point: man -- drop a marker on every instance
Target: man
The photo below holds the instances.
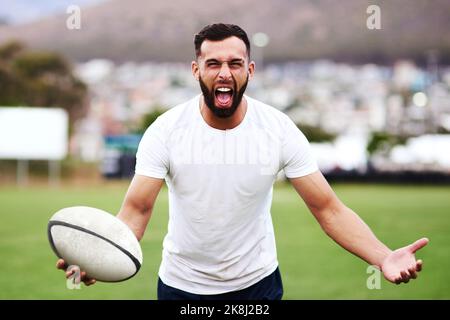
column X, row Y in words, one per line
column 220, row 154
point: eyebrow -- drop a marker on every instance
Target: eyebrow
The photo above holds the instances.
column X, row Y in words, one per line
column 232, row 60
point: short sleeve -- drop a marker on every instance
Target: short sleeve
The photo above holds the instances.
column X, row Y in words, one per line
column 297, row 159
column 152, row 157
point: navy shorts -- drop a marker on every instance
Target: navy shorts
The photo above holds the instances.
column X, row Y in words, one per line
column 269, row 288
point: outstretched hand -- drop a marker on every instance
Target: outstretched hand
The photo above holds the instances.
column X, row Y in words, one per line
column 401, row 265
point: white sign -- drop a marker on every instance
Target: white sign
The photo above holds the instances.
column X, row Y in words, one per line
column 33, row 133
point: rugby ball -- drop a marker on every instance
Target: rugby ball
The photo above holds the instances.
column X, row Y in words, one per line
column 96, row 241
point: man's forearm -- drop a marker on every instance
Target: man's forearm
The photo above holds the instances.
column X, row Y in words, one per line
column 346, row 228
column 138, row 204
column 135, row 218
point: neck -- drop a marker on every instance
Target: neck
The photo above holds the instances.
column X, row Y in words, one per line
column 223, row 123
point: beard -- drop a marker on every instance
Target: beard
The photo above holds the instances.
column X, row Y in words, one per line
column 209, row 96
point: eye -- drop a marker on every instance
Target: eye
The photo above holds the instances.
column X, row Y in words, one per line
column 212, row 64
column 236, row 64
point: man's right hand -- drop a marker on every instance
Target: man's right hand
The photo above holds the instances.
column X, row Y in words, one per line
column 61, row 264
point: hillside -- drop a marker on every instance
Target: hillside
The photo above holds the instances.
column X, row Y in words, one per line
column 142, row 30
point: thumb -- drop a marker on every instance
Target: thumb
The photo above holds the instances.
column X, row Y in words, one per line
column 419, row 244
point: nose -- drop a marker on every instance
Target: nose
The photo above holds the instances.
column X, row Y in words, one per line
column 224, row 73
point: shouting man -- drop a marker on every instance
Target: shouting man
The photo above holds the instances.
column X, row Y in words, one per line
column 219, row 154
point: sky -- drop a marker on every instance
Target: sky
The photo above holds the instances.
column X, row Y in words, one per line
column 24, row 11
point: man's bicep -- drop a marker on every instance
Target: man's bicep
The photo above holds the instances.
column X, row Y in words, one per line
column 315, row 191
column 152, row 156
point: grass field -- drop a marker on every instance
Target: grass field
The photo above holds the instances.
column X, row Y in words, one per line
column 312, row 265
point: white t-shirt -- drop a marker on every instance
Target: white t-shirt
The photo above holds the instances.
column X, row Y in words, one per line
column 220, row 235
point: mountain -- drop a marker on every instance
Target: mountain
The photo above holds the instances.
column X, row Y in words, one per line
column 142, row 30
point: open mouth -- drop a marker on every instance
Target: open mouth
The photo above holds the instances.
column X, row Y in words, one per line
column 224, row 96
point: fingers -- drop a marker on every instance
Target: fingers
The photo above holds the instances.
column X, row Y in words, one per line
column 419, row 265
column 405, row 276
column 412, row 272
column 87, row 280
column 70, row 271
column 61, row 264
column 402, row 278
column 419, row 244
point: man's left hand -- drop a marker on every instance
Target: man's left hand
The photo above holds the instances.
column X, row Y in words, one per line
column 401, row 265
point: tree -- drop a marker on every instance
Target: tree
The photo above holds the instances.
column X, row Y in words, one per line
column 39, row 78
column 10, row 49
column 149, row 118
column 315, row 134
column 383, row 140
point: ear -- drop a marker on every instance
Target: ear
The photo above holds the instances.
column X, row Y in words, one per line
column 195, row 70
column 251, row 69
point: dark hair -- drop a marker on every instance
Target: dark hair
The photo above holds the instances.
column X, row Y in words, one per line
column 218, row 32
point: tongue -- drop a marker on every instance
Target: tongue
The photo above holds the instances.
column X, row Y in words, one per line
column 224, row 98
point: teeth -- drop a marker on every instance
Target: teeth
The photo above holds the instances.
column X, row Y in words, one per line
column 224, row 89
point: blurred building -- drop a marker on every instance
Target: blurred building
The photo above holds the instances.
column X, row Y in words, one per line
column 346, row 100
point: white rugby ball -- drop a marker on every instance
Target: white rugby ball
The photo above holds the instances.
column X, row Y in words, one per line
column 96, row 241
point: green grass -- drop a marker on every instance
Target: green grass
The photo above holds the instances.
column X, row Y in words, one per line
column 312, row 265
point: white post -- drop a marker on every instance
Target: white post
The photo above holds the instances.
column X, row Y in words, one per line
column 54, row 172
column 22, row 172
